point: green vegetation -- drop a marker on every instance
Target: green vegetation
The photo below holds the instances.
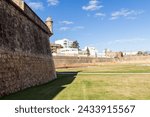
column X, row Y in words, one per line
column 75, row 44
column 112, row 68
column 114, row 87
column 94, row 86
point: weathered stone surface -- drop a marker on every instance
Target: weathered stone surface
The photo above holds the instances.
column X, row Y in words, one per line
column 72, row 61
column 25, row 55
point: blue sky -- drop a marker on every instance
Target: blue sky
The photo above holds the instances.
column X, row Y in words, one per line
column 120, row 25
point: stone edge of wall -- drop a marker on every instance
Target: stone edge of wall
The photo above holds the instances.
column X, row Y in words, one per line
column 30, row 14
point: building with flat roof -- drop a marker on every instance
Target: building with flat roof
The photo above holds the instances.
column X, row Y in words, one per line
column 93, row 52
column 55, row 47
column 65, row 43
column 68, row 51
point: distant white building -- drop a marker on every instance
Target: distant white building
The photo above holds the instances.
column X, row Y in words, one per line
column 68, row 51
column 92, row 51
column 102, row 54
column 130, row 53
column 65, row 43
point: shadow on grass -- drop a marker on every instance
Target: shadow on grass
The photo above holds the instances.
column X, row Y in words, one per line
column 46, row 91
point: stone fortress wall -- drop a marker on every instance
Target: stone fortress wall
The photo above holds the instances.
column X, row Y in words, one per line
column 25, row 55
column 136, row 59
column 70, row 61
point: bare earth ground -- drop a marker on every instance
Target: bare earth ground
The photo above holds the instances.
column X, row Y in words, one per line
column 102, row 82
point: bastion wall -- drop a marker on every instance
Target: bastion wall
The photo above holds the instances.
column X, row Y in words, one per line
column 25, row 55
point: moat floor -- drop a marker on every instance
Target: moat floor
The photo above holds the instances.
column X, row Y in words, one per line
column 103, row 82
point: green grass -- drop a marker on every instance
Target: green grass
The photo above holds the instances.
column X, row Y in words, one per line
column 112, row 68
column 94, row 86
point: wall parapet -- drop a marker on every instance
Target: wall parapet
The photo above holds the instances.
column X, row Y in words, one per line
column 31, row 15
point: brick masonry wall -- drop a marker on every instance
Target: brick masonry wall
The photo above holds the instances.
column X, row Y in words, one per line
column 25, row 55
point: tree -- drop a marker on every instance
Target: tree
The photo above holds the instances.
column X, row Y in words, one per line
column 75, row 44
column 88, row 51
column 140, row 53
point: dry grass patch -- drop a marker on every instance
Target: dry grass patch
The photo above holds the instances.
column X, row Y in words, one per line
column 112, row 68
column 111, row 87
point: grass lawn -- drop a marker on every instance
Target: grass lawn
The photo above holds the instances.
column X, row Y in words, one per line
column 112, row 68
column 89, row 87
column 78, row 86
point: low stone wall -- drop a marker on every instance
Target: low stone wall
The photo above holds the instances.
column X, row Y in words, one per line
column 70, row 61
column 136, row 59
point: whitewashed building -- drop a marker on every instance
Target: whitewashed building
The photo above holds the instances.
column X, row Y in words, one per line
column 68, row 51
column 93, row 52
column 131, row 53
column 66, row 43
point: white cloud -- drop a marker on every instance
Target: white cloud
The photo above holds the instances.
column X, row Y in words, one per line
column 92, row 6
column 131, row 18
column 100, row 14
column 113, row 18
column 52, row 2
column 88, row 15
column 128, row 14
column 36, row 5
column 132, row 40
column 67, row 22
column 64, row 28
column 75, row 28
column 78, row 27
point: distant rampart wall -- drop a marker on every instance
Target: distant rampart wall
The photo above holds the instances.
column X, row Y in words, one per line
column 68, row 61
column 136, row 59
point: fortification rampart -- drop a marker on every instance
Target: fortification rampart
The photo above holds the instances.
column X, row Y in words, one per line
column 136, row 59
column 68, row 61
column 25, row 55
